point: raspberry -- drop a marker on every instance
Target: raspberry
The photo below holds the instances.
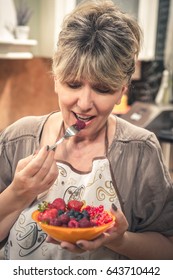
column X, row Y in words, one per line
column 73, row 223
column 80, row 125
column 84, row 222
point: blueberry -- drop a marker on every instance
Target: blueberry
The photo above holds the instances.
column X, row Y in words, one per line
column 60, row 212
column 85, row 213
column 76, row 213
column 71, row 213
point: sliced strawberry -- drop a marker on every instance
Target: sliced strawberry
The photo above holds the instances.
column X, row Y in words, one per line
column 58, row 203
column 48, row 214
column 75, row 204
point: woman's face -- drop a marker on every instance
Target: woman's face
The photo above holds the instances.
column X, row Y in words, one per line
column 89, row 103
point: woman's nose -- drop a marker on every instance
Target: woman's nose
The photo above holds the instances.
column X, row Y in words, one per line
column 85, row 99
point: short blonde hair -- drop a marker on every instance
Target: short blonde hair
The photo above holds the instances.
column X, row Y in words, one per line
column 98, row 43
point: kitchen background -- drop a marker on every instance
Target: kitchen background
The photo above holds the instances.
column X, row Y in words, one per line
column 26, row 83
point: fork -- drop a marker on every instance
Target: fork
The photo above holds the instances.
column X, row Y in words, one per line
column 70, row 131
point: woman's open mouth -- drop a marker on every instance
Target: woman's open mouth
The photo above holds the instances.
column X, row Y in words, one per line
column 83, row 118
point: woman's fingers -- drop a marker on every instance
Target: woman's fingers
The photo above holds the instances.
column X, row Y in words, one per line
column 121, row 224
column 37, row 162
column 113, row 234
column 48, row 168
column 23, row 163
column 36, row 173
column 41, row 167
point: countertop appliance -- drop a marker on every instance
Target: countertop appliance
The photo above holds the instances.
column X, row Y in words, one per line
column 156, row 118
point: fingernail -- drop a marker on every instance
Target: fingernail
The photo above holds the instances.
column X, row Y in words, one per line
column 79, row 245
column 114, row 207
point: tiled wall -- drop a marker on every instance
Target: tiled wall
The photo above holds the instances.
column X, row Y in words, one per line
column 26, row 88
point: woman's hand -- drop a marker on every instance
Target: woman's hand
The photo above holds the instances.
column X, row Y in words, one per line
column 34, row 175
column 113, row 235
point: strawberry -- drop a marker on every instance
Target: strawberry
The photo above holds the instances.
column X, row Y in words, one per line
column 59, row 204
column 75, row 204
column 48, row 214
column 40, row 216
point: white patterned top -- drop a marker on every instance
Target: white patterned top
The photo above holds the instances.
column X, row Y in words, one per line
column 26, row 239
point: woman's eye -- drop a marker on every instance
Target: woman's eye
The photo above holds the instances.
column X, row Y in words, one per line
column 103, row 90
column 74, row 85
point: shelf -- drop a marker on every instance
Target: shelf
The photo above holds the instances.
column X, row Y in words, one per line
column 17, row 49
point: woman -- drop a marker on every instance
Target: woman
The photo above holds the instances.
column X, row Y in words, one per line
column 109, row 162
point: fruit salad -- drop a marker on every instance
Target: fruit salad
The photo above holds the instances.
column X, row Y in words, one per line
column 74, row 214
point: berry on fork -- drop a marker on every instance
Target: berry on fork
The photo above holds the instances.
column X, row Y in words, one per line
column 80, row 125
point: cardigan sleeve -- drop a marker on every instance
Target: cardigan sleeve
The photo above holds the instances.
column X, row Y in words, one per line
column 5, row 167
column 142, row 180
column 153, row 192
column 18, row 141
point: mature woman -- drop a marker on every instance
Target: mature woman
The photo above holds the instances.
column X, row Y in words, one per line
column 109, row 162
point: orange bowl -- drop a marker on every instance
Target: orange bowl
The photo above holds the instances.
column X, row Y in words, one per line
column 72, row 234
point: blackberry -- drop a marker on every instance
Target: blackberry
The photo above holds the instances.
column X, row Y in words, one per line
column 55, row 222
column 64, row 219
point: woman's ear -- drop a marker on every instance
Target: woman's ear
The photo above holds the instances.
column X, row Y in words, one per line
column 122, row 92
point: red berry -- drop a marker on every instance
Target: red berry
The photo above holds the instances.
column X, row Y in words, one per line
column 84, row 222
column 40, row 216
column 80, row 125
column 48, row 214
column 59, row 204
column 64, row 218
column 73, row 223
column 75, row 204
column 55, row 222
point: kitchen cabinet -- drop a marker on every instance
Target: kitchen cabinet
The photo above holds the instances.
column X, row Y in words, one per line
column 146, row 12
column 52, row 13
column 10, row 47
column 16, row 49
column 47, row 18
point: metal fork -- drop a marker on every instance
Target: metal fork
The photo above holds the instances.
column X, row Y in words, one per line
column 70, row 131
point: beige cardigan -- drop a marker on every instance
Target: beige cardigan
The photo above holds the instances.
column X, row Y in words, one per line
column 142, row 181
